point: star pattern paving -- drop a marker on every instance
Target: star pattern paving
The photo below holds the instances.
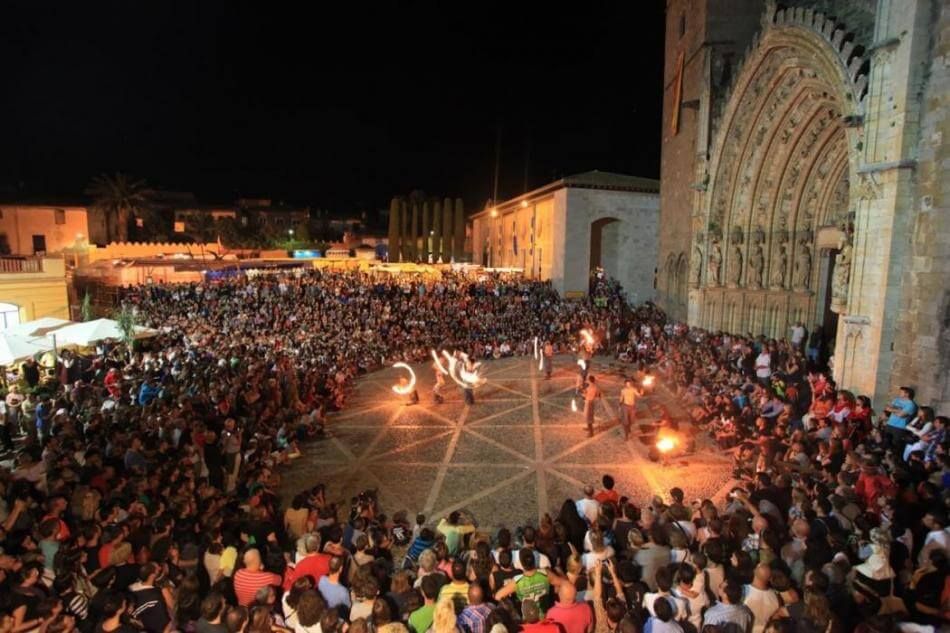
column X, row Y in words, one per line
column 519, row 452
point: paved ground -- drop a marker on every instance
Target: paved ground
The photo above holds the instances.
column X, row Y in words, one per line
column 517, row 453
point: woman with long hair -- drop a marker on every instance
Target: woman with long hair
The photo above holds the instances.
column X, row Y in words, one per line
column 188, row 603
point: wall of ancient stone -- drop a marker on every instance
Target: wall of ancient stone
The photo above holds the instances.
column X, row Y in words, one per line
column 709, row 38
column 922, row 345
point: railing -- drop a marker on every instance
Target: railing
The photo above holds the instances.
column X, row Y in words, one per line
column 20, row 265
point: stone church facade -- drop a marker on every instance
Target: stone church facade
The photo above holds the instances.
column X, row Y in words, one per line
column 807, row 179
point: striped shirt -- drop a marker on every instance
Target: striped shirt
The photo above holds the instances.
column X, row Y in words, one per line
column 248, row 582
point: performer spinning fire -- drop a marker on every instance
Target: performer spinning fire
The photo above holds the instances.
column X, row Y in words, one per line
column 547, row 359
column 438, row 385
column 628, row 405
column 591, row 393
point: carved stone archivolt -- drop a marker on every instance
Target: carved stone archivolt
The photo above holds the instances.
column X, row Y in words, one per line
column 778, row 162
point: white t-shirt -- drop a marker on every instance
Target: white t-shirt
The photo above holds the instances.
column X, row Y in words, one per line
column 935, row 539
column 762, row 604
column 680, row 606
column 798, row 333
column 763, row 364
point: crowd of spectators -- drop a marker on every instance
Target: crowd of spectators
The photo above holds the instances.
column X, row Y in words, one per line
column 143, row 493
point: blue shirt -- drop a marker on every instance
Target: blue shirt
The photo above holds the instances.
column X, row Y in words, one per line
column 908, row 407
column 731, row 618
column 334, row 593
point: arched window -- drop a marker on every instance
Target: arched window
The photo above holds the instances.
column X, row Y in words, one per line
column 9, row 315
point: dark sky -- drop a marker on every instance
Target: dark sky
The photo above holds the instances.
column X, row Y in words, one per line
column 334, row 110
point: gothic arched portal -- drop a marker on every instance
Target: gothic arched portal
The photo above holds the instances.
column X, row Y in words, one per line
column 783, row 155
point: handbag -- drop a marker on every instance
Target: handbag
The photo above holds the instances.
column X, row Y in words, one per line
column 890, row 604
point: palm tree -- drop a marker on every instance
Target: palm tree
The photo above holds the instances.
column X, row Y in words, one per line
column 119, row 198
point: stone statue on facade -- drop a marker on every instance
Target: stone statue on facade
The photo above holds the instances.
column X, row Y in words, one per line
column 841, row 277
column 695, row 268
column 715, row 264
column 756, row 265
column 803, row 266
column 779, row 266
column 735, row 266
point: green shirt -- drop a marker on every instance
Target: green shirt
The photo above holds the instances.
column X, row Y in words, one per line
column 536, row 587
column 421, row 619
column 453, row 534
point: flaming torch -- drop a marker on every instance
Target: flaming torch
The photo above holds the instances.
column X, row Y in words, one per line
column 648, row 383
column 405, row 390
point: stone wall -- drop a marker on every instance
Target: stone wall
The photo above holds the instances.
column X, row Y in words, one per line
column 628, row 245
column 709, row 37
column 922, row 344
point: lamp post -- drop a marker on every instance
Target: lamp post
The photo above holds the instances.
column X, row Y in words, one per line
column 290, row 238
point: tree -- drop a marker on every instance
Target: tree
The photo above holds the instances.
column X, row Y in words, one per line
column 426, row 214
column 85, row 308
column 127, row 320
column 436, row 230
column 404, row 231
column 459, row 249
column 119, row 198
column 201, row 227
column 394, row 225
column 448, row 251
column 414, row 231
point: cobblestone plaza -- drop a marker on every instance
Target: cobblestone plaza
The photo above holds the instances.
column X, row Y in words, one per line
column 519, row 452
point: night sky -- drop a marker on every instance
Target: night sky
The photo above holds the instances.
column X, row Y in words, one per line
column 337, row 111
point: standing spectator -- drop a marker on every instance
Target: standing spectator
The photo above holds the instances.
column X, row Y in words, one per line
column 252, row 577
column 574, row 616
column 760, row 598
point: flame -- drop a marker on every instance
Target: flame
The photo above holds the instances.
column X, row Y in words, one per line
column 574, row 405
column 582, row 363
column 588, row 336
column 438, row 363
column 666, row 444
column 648, row 381
column 404, row 390
column 536, row 347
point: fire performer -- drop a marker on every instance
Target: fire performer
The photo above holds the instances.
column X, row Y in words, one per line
column 468, row 390
column 591, row 394
column 628, row 405
column 409, row 390
column 438, row 385
column 547, row 359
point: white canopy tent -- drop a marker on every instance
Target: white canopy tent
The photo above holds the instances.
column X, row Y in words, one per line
column 38, row 327
column 14, row 348
column 91, row 332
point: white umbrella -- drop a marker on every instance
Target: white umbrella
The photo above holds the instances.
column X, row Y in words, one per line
column 14, row 348
column 91, row 332
column 37, row 327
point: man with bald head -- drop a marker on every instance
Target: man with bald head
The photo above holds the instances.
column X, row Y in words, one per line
column 761, row 598
column 574, row 616
column 252, row 577
column 473, row 617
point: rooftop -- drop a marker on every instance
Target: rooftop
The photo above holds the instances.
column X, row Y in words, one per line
column 587, row 180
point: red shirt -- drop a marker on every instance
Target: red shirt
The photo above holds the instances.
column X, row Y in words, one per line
column 608, row 496
column 575, row 618
column 544, row 627
column 247, row 583
column 315, row 565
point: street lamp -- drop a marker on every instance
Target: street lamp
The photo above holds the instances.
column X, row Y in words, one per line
column 494, row 212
